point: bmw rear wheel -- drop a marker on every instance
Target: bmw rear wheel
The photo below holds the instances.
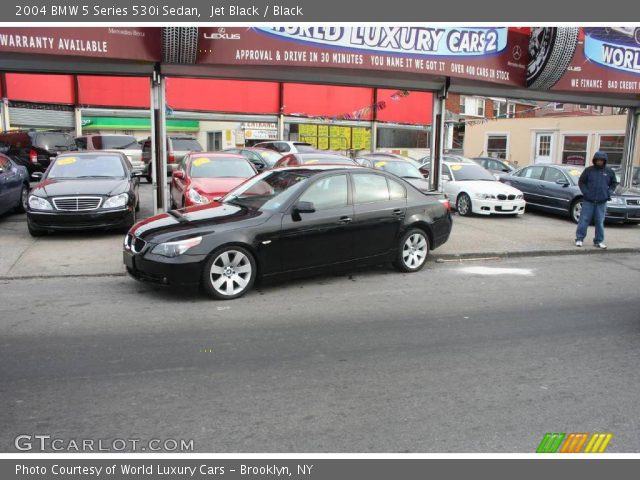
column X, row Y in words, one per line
column 413, row 251
column 229, row 273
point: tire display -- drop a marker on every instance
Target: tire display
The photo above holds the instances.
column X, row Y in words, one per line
column 551, row 50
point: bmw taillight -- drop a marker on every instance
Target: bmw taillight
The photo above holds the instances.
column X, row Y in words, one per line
column 171, row 158
column 33, row 156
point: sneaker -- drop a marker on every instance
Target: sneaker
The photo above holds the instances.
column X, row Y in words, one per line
column 600, row 245
column 578, row 243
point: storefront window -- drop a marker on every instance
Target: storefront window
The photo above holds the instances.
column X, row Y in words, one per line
column 402, row 138
column 497, row 146
column 613, row 145
column 574, row 150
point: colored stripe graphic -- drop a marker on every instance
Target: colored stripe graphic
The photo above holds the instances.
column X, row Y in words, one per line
column 598, row 443
column 574, row 442
column 550, row 442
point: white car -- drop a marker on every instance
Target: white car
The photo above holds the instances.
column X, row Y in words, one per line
column 287, row 147
column 473, row 189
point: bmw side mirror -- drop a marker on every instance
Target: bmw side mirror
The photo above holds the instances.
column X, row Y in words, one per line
column 178, row 174
column 562, row 182
column 136, row 173
column 446, row 178
column 37, row 176
column 304, row 207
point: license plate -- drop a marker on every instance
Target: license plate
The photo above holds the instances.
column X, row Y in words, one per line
column 507, row 207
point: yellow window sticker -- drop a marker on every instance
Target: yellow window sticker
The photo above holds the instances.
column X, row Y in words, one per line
column 201, row 161
column 67, row 161
column 380, row 164
column 574, row 172
column 312, row 161
column 455, row 168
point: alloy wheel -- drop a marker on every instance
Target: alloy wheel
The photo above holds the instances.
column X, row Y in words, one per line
column 230, row 273
column 414, row 251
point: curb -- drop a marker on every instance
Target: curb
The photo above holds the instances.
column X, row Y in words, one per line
column 445, row 258
column 451, row 257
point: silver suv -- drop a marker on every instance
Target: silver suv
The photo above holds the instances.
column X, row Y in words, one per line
column 127, row 144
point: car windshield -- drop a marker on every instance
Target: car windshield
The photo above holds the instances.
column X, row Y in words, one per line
column 186, row 144
column 116, row 142
column 331, row 159
column 55, row 141
column 574, row 174
column 267, row 191
column 205, row 167
column 87, row 166
column 270, row 157
column 400, row 169
column 470, row 171
column 304, row 147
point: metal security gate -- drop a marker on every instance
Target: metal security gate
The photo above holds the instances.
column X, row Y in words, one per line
column 22, row 117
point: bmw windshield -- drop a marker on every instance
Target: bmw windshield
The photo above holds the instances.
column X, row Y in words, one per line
column 269, row 190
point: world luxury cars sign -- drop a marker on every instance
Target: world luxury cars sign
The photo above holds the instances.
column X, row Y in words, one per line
column 483, row 53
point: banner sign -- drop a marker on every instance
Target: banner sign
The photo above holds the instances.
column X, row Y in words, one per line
column 605, row 60
column 496, row 55
column 123, row 43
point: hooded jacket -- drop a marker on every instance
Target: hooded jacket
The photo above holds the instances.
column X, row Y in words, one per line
column 598, row 184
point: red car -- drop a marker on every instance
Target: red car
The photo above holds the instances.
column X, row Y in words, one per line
column 203, row 177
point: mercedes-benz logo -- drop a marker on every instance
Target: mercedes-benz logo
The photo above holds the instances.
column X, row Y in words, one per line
column 517, row 52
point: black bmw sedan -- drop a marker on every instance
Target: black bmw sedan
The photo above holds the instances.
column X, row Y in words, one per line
column 290, row 220
column 84, row 190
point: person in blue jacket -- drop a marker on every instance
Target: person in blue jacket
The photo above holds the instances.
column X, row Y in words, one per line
column 597, row 183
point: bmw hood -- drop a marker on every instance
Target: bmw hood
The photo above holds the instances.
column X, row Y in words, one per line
column 99, row 186
column 207, row 218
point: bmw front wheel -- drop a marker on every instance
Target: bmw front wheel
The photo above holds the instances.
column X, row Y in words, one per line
column 229, row 273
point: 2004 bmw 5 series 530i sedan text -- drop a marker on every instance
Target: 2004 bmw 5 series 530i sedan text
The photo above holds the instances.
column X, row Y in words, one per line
column 290, row 220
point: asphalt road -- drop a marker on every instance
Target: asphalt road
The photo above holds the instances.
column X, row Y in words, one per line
column 461, row 357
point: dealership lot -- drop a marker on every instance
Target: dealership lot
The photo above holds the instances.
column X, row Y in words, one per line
column 100, row 253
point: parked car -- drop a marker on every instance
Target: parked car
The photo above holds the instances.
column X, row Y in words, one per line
column 472, row 189
column 294, row 159
column 262, row 158
column 84, row 190
column 401, row 168
column 127, row 144
column 289, row 221
column 203, row 177
column 366, row 159
column 554, row 188
column 177, row 147
column 35, row 149
column 287, row 147
column 495, row 165
column 14, row 186
column 425, row 162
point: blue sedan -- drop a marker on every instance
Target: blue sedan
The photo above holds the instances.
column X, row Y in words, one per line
column 14, row 185
column 554, row 188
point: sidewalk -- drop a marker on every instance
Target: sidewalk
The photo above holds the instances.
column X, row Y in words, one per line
column 99, row 254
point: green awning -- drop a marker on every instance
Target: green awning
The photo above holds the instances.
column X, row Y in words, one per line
column 125, row 123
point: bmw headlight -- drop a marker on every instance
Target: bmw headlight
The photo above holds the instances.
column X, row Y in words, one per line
column 117, row 201
column 173, row 249
column 485, row 196
column 37, row 203
column 196, row 197
column 519, row 197
column 616, row 201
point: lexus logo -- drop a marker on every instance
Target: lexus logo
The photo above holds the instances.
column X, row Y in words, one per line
column 222, row 34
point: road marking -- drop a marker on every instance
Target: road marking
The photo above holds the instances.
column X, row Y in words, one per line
column 525, row 272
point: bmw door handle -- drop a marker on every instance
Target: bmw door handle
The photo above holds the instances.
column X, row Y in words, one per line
column 398, row 212
column 345, row 220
